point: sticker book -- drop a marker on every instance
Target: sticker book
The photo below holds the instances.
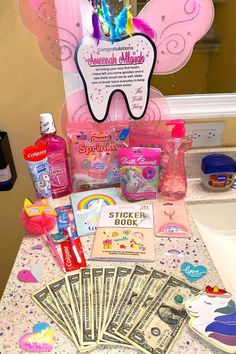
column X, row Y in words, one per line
column 125, row 232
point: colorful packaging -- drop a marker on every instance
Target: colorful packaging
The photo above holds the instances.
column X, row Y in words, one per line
column 57, row 156
column 69, row 259
column 155, row 134
column 139, row 169
column 93, row 149
column 125, row 233
column 65, row 219
column 171, row 219
column 87, row 206
column 37, row 162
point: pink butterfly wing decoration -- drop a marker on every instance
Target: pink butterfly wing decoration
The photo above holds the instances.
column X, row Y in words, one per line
column 178, row 24
column 58, row 27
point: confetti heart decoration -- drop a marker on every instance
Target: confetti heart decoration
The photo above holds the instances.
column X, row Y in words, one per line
column 193, row 273
column 174, row 252
column 40, row 341
column 31, row 276
column 37, row 271
column 37, row 247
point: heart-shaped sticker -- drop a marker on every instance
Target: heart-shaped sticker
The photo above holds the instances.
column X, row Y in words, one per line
column 41, row 340
column 193, row 273
column 31, row 276
column 37, row 247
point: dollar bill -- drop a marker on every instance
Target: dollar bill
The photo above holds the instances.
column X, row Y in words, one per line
column 107, row 284
column 121, row 278
column 144, row 298
column 158, row 327
column 44, row 300
column 96, row 282
column 73, row 288
column 86, row 313
column 58, row 291
column 136, row 281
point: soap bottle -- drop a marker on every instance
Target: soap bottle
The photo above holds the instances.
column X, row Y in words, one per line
column 57, row 157
column 7, row 166
column 174, row 180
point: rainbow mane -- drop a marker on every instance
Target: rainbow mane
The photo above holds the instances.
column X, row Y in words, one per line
column 213, row 316
column 224, row 327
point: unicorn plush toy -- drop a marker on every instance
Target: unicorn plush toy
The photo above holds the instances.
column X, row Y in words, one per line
column 213, row 317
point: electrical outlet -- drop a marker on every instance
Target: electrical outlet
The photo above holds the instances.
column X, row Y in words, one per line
column 206, row 134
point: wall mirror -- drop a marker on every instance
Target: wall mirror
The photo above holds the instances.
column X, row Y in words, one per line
column 212, row 67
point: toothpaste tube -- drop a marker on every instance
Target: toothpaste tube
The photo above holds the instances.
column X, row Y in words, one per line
column 37, row 163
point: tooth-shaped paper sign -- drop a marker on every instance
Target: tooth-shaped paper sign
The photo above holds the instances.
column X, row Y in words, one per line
column 125, row 66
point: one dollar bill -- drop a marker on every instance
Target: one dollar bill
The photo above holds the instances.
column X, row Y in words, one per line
column 73, row 288
column 107, row 285
column 44, row 299
column 144, row 298
column 133, row 287
column 96, row 280
column 59, row 294
column 158, row 327
column 121, row 278
column 86, row 310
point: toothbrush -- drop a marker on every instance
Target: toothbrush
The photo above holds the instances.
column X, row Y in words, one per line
column 74, row 249
column 54, row 251
column 69, row 217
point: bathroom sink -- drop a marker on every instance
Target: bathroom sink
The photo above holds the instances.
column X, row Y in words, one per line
column 216, row 223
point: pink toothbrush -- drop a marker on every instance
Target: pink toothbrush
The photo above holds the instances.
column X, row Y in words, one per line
column 54, row 251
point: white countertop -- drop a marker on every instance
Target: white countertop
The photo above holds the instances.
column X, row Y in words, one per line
column 196, row 193
column 19, row 313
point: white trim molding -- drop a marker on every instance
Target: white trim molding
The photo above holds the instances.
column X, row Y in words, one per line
column 202, row 106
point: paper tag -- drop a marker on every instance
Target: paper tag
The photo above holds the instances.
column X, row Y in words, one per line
column 125, row 66
column 69, row 257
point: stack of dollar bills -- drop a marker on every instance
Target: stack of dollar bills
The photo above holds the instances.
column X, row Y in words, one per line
column 135, row 307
